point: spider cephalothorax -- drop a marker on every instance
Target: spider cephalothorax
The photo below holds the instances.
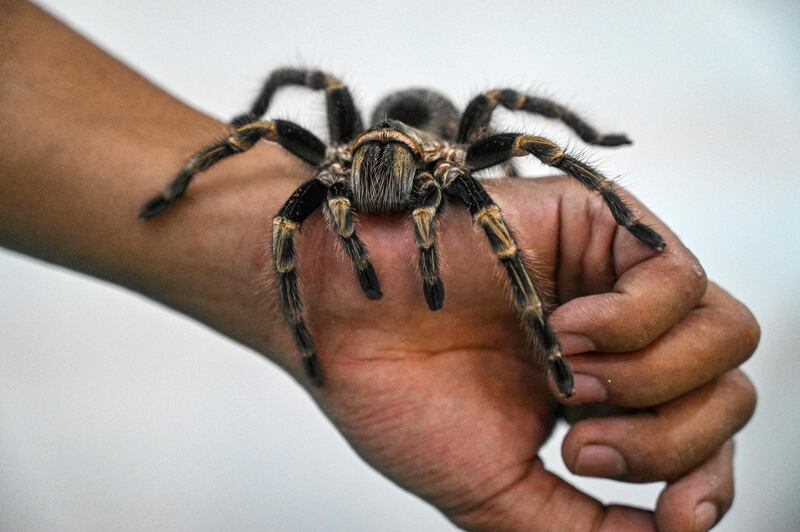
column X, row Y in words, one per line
column 417, row 156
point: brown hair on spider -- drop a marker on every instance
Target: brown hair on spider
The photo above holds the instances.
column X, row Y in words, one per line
column 419, row 155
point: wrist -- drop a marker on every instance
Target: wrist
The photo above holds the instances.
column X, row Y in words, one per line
column 99, row 141
column 214, row 249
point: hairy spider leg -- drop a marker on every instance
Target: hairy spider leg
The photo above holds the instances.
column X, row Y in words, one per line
column 344, row 119
column 338, row 212
column 498, row 148
column 479, row 111
column 428, row 198
column 487, row 215
column 305, row 200
column 294, row 138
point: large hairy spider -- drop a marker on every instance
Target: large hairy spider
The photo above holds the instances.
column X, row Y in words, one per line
column 417, row 155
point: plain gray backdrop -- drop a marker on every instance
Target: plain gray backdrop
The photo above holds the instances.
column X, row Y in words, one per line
column 118, row 414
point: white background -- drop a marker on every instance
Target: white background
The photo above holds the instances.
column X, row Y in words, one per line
column 117, row 414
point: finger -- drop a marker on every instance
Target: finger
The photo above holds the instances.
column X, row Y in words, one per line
column 541, row 501
column 665, row 442
column 652, row 291
column 699, row 499
column 715, row 337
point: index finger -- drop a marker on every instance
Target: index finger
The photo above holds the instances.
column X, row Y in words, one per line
column 652, row 292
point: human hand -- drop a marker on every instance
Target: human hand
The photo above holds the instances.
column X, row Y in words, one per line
column 444, row 404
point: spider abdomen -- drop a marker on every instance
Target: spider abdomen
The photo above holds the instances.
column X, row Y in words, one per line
column 383, row 177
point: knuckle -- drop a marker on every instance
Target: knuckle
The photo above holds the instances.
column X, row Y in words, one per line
column 748, row 393
column 751, row 330
column 744, row 392
column 740, row 332
column 736, row 326
column 693, row 276
column 740, row 319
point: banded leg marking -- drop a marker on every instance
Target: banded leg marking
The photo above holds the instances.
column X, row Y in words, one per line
column 498, row 148
column 487, row 215
column 426, row 206
column 478, row 114
column 303, row 202
column 344, row 119
column 294, row 138
column 339, row 214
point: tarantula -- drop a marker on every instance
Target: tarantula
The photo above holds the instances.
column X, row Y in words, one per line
column 417, row 155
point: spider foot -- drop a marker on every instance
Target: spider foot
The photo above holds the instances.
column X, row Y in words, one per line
column 434, row 294
column 648, row 236
column 313, row 369
column 155, row 206
column 613, row 140
column 562, row 375
column 369, row 281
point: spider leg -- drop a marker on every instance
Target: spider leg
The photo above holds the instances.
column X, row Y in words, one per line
column 294, row 138
column 498, row 148
column 339, row 213
column 478, row 113
column 344, row 119
column 305, row 200
column 487, row 215
column 426, row 204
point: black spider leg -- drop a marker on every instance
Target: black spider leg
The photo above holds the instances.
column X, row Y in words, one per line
column 344, row 119
column 426, row 202
column 338, row 212
column 294, row 138
column 305, row 200
column 498, row 148
column 478, row 114
column 526, row 297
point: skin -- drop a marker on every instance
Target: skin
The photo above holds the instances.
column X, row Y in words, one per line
column 444, row 404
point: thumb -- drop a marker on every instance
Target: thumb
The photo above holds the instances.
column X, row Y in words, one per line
column 543, row 501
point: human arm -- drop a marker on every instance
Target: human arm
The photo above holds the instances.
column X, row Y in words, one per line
column 85, row 140
column 206, row 256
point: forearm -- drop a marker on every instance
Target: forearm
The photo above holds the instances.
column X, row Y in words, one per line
column 85, row 141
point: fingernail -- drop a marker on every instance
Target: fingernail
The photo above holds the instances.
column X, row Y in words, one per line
column 600, row 461
column 705, row 515
column 588, row 389
column 572, row 344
